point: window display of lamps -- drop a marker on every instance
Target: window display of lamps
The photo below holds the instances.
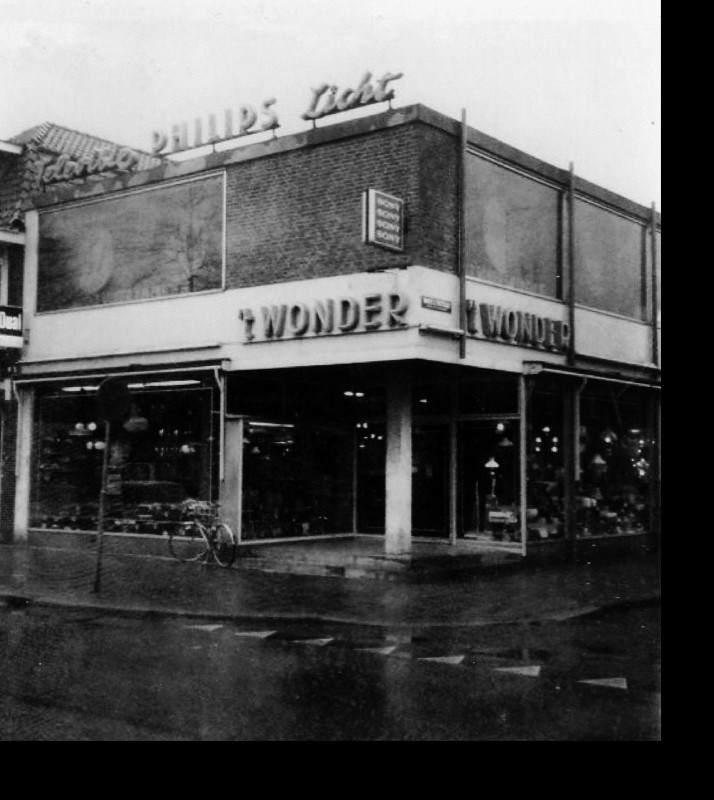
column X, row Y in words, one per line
column 492, row 465
column 598, row 464
column 136, row 422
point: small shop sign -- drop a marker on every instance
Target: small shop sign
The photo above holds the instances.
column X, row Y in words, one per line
column 10, row 326
column 383, row 220
column 99, row 163
column 435, row 304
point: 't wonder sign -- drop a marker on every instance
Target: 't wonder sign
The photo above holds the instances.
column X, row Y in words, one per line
column 516, row 327
column 324, row 317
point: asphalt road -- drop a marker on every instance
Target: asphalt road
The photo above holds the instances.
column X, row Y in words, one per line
column 86, row 675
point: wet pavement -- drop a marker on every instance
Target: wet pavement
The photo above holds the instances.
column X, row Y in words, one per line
column 90, row 675
column 170, row 651
column 141, row 584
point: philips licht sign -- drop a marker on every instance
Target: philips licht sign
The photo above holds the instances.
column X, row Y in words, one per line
column 10, row 326
column 383, row 220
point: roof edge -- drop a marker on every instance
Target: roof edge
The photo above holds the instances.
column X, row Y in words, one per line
column 333, row 132
column 10, row 147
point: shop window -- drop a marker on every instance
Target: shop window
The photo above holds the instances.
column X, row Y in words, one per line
column 297, row 480
column 615, row 462
column 431, row 399
column 489, row 393
column 308, row 435
column 512, row 228
column 545, row 465
column 161, row 457
column 153, row 243
column 371, row 476
column 490, row 475
column 608, row 261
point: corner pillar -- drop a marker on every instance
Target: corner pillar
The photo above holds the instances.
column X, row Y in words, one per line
column 231, row 495
column 23, row 463
column 398, row 528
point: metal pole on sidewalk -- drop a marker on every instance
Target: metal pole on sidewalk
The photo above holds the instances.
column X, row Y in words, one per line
column 102, row 499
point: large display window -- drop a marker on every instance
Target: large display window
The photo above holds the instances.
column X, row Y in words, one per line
column 490, row 480
column 616, row 447
column 545, row 460
column 513, row 228
column 160, row 458
column 610, row 269
column 297, row 480
column 155, row 242
column 313, row 452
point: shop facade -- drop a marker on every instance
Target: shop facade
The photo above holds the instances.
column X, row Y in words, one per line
column 392, row 327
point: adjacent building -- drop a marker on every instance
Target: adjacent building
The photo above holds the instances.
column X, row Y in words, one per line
column 22, row 164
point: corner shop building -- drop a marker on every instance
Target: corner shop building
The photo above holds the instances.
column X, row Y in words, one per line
column 489, row 375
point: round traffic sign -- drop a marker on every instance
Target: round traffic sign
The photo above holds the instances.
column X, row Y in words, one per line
column 114, row 400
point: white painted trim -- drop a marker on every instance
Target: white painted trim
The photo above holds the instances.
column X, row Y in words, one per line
column 12, row 238
column 4, row 274
column 10, row 147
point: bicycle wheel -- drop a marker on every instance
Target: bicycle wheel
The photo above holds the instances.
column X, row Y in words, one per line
column 224, row 545
column 188, row 542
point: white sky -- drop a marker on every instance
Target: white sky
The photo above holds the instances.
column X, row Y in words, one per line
column 564, row 80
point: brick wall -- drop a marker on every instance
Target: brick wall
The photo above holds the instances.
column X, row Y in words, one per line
column 439, row 197
column 297, row 215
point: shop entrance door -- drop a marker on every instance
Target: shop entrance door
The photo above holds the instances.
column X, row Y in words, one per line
column 430, row 480
column 490, row 480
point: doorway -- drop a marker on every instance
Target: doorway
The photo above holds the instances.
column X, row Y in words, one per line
column 430, row 480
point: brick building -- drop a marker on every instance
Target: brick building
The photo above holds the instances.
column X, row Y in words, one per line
column 394, row 326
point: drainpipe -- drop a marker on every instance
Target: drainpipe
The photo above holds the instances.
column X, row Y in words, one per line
column 571, row 264
column 655, row 332
column 221, row 424
column 462, row 235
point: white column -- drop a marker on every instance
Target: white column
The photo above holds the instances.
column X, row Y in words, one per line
column 23, row 476
column 232, row 485
column 398, row 533
column 453, row 463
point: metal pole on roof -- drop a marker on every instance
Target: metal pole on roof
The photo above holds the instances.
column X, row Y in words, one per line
column 655, row 298
column 571, row 263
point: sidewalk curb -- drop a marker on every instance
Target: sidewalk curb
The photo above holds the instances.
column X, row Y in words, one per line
column 18, row 600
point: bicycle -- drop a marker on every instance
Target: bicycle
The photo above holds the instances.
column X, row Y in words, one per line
column 201, row 535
